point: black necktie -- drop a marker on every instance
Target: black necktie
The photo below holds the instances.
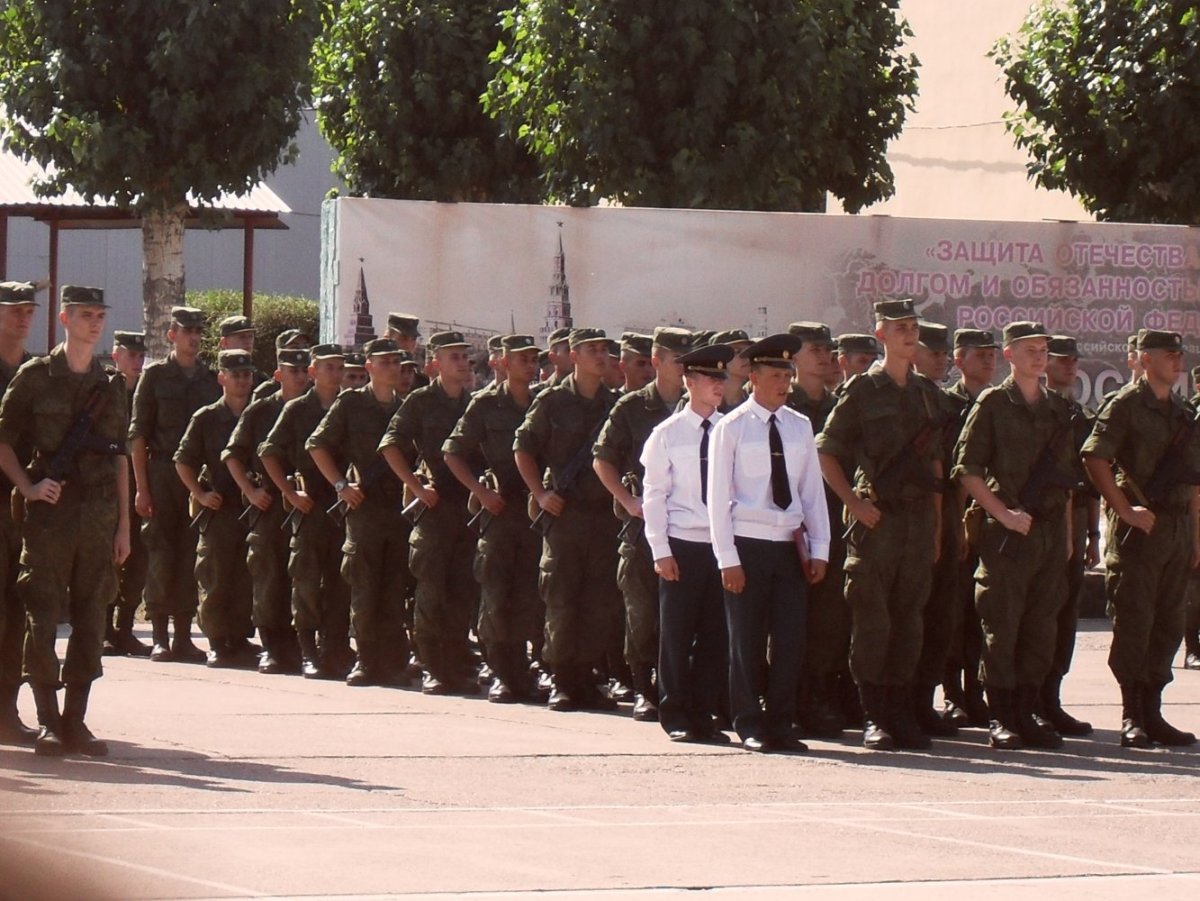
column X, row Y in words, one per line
column 781, row 492
column 705, row 425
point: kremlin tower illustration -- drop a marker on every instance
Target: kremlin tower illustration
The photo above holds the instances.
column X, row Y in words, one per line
column 362, row 327
column 558, row 307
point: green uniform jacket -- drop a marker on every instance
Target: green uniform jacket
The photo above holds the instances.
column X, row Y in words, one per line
column 487, row 427
column 297, row 420
column 630, row 423
column 352, row 428
column 203, row 444
column 165, row 400
column 421, row 426
column 251, row 430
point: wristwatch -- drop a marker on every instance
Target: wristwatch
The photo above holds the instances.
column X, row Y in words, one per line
column 339, row 485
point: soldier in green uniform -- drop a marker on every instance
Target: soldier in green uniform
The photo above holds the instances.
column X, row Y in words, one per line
column 495, row 362
column 1023, row 487
column 129, row 355
column 442, row 545
column 1062, row 368
column 738, row 368
column 375, row 554
column 354, row 369
column 886, row 421
column 405, row 330
column 17, row 306
column 320, row 597
column 506, row 562
column 288, row 339
column 634, row 361
column 856, row 353
column 167, row 395
column 1152, row 541
column 226, row 599
column 618, row 465
column 558, row 350
column 579, row 551
column 76, row 528
column 267, row 543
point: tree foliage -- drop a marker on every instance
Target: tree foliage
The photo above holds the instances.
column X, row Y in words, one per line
column 273, row 313
column 744, row 104
column 397, row 86
column 1106, row 96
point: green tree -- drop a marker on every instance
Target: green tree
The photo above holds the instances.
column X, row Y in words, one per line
column 151, row 103
column 1106, row 96
column 396, row 86
column 743, row 104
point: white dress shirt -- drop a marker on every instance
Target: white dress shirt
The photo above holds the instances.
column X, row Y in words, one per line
column 671, row 503
column 739, row 482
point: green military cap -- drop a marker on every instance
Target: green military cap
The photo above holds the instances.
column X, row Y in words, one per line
column 711, row 359
column 558, row 336
column 355, row 359
column 702, row 336
column 614, row 349
column 515, row 343
column 585, row 336
column 327, row 352
column 643, row 345
column 811, row 332
column 934, row 336
column 679, row 340
column 1022, row 330
column 235, row 360
column 79, row 295
column 15, row 293
column 404, row 323
column 293, row 356
column 1062, row 346
column 232, row 325
column 852, row 343
column 288, row 338
column 973, row 337
column 775, row 350
column 495, row 343
column 135, row 341
column 894, row 309
column 407, row 359
column 729, row 336
column 1196, row 374
column 1155, row 339
column 378, row 347
column 543, row 357
column 1132, row 343
column 442, row 340
column 187, row 317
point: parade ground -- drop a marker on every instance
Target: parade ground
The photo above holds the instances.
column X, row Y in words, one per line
column 226, row 783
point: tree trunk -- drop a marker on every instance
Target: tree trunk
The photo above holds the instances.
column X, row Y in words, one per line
column 162, row 272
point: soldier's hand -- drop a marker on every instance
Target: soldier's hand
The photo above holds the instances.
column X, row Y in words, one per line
column 733, row 579
column 667, row 568
column 143, row 504
column 1092, row 555
column 352, row 495
column 491, row 501
column 1017, row 521
column 1140, row 518
column 865, row 511
column 211, row 500
column 814, row 571
column 46, row 490
column 633, row 507
column 301, row 502
column 121, row 546
column 260, row 498
column 427, row 495
column 551, row 502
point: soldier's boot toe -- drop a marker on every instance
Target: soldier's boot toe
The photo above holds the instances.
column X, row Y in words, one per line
column 1157, row 728
column 310, row 656
column 485, row 676
column 644, row 709
column 76, row 737
column 161, row 636
column 12, row 730
column 1002, row 732
column 124, row 640
column 562, row 694
column 500, row 693
column 49, row 743
column 876, row 736
column 182, row 648
column 929, row 720
column 902, row 722
column 1192, row 660
column 360, row 676
column 49, row 738
column 1034, row 731
column 645, row 694
column 1053, row 713
column 1133, row 735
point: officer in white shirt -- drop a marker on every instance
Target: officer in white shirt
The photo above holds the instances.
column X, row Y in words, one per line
column 770, row 532
column 693, row 652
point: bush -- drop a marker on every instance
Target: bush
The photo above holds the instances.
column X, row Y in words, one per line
column 273, row 313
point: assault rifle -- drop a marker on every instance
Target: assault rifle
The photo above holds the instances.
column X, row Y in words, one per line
column 543, row 521
column 1171, row 469
column 1044, row 475
column 376, row 471
column 224, row 485
column 81, row 438
column 631, row 526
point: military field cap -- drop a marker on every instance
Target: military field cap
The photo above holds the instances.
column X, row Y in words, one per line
column 515, row 343
column 377, row 347
column 729, row 336
column 232, row 325
column 288, row 338
column 679, row 340
column 712, row 359
column 404, row 323
column 811, row 332
column 558, row 336
column 355, row 359
column 135, row 341
column 1154, row 339
column 442, row 340
column 235, row 360
column 857, row 344
column 633, row 342
column 543, row 357
column 776, row 350
column 584, row 336
column 1062, row 346
column 14, row 293
column 894, row 309
column 495, row 343
column 702, row 336
column 407, row 359
column 327, row 352
column 187, row 317
column 79, row 295
column 973, row 337
column 1132, row 343
column 1020, row 331
column 614, row 349
column 293, row 356
column 934, row 336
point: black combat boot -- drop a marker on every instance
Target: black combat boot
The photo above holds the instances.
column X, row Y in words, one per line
column 978, row 710
column 1191, row 649
column 1034, row 732
column 504, row 673
column 954, row 703
column 1002, row 732
column 563, row 690
column 902, row 722
column 12, row 730
column 823, row 717
column 271, row 662
column 1158, row 729
column 1133, row 724
column 49, row 742
column 310, row 660
column 1053, row 712
column 365, row 664
column 876, row 736
column 590, row 694
column 928, row 719
column 621, row 680
column 182, row 648
column 645, row 694
column 161, row 633
column 124, row 640
column 109, row 648
column 77, row 738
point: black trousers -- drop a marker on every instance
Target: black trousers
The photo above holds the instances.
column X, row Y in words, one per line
column 692, row 659
column 771, row 612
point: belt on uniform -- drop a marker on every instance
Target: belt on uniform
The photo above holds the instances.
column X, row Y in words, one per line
column 904, row 504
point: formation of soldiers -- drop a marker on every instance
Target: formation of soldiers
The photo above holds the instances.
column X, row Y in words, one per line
column 787, row 537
